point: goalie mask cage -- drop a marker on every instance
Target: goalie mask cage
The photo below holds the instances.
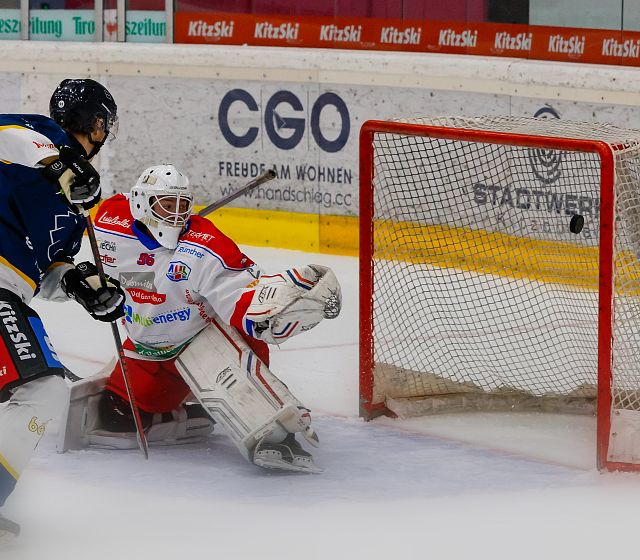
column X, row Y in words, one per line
column 475, row 294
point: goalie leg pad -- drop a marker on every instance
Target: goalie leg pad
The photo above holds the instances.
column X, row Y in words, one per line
column 240, row 392
column 83, row 425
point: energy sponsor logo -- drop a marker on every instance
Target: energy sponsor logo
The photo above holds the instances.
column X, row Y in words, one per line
column 285, row 120
column 179, row 315
column 573, row 45
column 143, row 296
column 630, row 48
column 345, row 34
column 451, row 38
column 141, row 280
column 178, row 271
column 504, row 41
column 222, row 29
column 287, row 31
column 394, row 36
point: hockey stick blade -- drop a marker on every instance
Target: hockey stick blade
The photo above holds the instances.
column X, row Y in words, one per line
column 268, row 175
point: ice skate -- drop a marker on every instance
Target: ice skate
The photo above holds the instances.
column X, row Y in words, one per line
column 287, row 455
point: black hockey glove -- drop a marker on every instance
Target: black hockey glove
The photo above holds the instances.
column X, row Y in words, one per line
column 83, row 284
column 78, row 180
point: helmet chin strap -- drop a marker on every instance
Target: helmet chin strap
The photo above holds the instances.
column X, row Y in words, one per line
column 96, row 146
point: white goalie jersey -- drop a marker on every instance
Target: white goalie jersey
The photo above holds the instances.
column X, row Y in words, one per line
column 172, row 294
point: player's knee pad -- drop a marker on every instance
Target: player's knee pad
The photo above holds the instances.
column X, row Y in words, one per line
column 239, row 391
column 26, row 353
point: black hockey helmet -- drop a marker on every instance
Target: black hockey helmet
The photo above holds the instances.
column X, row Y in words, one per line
column 76, row 104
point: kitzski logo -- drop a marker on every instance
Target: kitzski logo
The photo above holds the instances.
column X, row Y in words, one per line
column 571, row 45
column 504, row 41
column 346, row 34
column 395, row 36
column 629, row 48
column 217, row 30
column 449, row 38
column 20, row 341
column 266, row 30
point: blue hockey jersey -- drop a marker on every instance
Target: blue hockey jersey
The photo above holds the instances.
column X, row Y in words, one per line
column 37, row 227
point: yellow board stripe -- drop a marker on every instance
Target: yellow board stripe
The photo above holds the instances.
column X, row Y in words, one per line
column 8, row 467
column 461, row 248
column 18, row 272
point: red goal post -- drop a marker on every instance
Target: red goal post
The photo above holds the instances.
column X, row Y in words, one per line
column 475, row 294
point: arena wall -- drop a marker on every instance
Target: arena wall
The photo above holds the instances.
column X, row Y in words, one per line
column 223, row 113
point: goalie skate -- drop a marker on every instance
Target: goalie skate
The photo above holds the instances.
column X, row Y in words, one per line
column 288, row 455
column 9, row 530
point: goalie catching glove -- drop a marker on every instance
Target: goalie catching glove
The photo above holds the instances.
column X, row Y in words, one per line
column 292, row 302
column 83, row 284
column 78, row 180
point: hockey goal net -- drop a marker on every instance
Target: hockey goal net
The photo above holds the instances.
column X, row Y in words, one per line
column 475, row 293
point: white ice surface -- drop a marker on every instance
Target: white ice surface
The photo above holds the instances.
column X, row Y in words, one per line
column 474, row 486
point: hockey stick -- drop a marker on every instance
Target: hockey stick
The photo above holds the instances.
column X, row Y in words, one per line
column 140, row 435
column 268, row 175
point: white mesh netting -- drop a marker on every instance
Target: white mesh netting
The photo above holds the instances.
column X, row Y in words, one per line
column 480, row 289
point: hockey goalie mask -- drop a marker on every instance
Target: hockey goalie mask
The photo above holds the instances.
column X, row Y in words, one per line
column 162, row 201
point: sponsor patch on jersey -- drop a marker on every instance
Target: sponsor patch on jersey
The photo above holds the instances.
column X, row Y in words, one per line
column 178, row 271
column 107, row 245
column 143, row 296
column 190, row 251
column 108, row 260
column 178, row 315
column 115, row 221
column 141, row 280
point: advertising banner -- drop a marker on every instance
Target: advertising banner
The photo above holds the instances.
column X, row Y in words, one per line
column 62, row 25
column 10, row 24
column 224, row 132
column 476, row 38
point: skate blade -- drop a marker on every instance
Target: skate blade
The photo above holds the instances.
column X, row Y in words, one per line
column 278, row 464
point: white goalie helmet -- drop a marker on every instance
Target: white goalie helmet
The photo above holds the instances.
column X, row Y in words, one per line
column 162, row 200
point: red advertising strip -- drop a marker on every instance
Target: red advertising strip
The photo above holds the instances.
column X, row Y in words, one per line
column 479, row 38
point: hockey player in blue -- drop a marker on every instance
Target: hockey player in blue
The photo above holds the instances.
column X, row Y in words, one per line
column 45, row 175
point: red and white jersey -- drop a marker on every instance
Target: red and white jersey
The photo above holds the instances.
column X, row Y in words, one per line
column 173, row 293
